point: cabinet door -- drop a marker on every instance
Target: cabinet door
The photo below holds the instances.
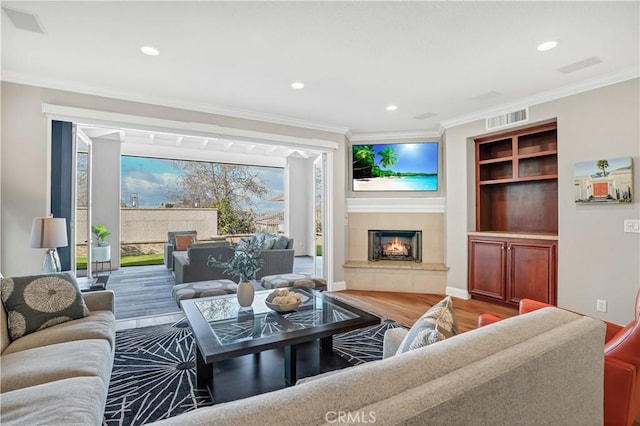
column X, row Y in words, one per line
column 487, row 268
column 531, row 271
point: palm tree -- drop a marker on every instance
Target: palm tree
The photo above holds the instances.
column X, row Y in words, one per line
column 364, row 157
column 602, row 165
column 388, row 157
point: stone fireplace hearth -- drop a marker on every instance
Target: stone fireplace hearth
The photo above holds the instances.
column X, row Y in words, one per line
column 427, row 275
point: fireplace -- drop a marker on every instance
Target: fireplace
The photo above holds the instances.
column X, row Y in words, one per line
column 395, row 245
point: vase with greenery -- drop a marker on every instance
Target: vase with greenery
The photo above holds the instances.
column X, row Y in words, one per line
column 244, row 264
column 101, row 252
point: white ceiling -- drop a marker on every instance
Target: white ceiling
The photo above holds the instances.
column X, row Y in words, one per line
column 355, row 58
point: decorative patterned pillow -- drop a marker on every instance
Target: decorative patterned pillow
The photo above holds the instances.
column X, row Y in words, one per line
column 437, row 324
column 36, row 302
column 183, row 241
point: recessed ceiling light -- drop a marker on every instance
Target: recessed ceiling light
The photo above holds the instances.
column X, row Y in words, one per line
column 547, row 45
column 297, row 85
column 392, row 107
column 148, row 50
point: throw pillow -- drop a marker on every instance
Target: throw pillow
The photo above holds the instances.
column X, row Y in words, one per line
column 267, row 243
column 437, row 324
column 36, row 302
column 171, row 235
column 280, row 243
column 183, row 241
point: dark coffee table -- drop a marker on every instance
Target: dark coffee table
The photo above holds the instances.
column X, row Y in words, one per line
column 224, row 331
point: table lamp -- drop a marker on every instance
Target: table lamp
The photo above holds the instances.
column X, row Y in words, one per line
column 49, row 232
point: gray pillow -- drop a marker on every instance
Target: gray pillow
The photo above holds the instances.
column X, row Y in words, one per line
column 281, row 242
column 267, row 243
column 36, row 302
column 437, row 324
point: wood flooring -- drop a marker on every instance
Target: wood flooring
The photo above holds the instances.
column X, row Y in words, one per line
column 406, row 308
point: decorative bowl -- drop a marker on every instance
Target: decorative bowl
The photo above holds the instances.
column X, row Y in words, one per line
column 280, row 307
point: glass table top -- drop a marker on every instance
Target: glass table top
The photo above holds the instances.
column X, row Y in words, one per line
column 232, row 324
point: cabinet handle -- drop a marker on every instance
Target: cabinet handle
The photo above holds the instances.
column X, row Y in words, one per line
column 502, row 248
column 509, row 248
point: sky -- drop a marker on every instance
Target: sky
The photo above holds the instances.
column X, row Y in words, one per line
column 412, row 157
column 588, row 168
column 149, row 179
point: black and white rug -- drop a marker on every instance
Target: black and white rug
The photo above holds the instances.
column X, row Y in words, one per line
column 153, row 375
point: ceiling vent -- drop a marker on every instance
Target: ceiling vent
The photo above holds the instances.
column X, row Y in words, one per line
column 577, row 66
column 23, row 21
column 508, row 119
column 425, row 115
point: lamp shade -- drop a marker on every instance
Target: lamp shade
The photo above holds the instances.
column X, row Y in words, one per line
column 48, row 232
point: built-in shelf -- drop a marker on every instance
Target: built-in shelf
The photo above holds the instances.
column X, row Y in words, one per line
column 390, row 264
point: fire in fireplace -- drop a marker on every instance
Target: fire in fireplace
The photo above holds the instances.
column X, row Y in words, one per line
column 395, row 245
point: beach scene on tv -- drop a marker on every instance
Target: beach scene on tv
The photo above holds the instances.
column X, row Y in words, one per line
column 395, row 167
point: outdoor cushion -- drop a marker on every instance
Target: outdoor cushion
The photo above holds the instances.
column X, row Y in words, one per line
column 171, row 235
column 183, row 241
column 36, row 302
column 280, row 242
column 438, row 323
column 97, row 325
column 42, row 365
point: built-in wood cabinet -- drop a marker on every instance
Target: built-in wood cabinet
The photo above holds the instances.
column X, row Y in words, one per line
column 509, row 269
column 516, row 193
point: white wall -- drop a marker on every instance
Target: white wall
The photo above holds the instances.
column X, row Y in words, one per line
column 105, row 195
column 596, row 260
column 24, row 161
column 300, row 196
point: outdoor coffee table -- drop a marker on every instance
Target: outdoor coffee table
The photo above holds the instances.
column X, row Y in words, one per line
column 223, row 330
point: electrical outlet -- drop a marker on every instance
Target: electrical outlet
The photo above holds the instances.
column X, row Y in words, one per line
column 601, row 305
column 631, row 225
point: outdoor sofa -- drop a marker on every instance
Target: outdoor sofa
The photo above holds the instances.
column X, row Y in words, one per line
column 191, row 265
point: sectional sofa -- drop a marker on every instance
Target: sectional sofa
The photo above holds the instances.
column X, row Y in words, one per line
column 59, row 375
column 542, row 368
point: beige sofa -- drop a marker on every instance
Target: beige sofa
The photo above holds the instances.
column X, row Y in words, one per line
column 59, row 375
column 543, row 368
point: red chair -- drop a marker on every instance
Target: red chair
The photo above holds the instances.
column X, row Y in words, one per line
column 621, row 365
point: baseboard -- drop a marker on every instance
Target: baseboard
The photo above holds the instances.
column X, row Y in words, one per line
column 457, row 292
column 338, row 286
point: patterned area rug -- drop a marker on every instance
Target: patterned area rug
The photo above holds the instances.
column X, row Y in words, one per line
column 153, row 374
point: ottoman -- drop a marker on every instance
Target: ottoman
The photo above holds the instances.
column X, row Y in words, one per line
column 197, row 289
column 293, row 280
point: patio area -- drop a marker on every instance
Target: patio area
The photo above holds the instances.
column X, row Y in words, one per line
column 145, row 291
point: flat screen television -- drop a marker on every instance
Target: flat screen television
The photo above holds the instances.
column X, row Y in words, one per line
column 395, row 167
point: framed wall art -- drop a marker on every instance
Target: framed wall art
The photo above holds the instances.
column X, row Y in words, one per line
column 608, row 180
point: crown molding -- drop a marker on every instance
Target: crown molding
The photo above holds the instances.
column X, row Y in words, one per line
column 562, row 92
column 396, row 205
column 19, row 78
column 358, row 137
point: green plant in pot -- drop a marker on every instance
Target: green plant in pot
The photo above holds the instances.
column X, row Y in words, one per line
column 101, row 252
column 244, row 264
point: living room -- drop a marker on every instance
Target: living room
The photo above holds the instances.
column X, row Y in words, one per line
column 596, row 109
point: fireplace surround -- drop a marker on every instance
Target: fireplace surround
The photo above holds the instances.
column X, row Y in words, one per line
column 395, row 245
